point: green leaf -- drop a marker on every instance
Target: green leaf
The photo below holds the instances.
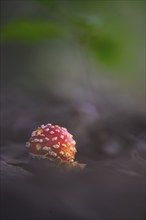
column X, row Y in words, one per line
column 104, row 48
column 92, row 35
column 31, row 31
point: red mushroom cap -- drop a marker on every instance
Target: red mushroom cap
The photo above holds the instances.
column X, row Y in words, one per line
column 52, row 142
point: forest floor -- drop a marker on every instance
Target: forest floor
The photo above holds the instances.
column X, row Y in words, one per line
column 111, row 186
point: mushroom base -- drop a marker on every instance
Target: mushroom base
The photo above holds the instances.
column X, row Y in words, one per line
column 68, row 165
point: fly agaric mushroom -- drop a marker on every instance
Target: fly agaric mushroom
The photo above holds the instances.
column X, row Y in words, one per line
column 52, row 142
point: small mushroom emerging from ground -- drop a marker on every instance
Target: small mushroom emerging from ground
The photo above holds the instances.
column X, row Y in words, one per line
column 53, row 143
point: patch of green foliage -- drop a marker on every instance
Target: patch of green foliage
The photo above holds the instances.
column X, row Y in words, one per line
column 101, row 27
column 31, row 31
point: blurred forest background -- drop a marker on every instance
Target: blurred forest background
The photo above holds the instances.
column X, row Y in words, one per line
column 79, row 64
column 91, row 54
